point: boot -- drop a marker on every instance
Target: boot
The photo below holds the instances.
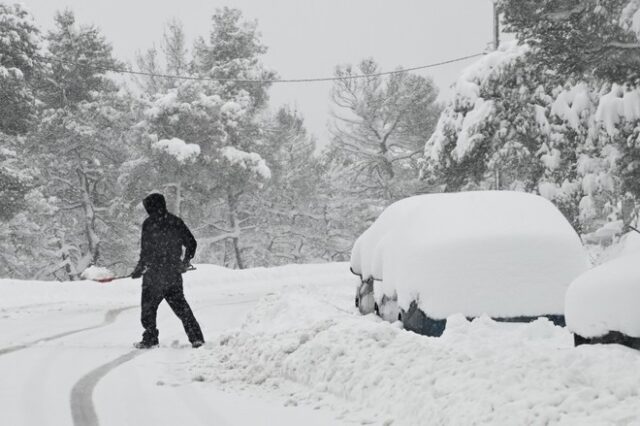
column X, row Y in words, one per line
column 146, row 345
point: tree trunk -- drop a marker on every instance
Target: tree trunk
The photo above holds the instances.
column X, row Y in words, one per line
column 65, row 259
column 179, row 199
column 93, row 239
column 233, row 221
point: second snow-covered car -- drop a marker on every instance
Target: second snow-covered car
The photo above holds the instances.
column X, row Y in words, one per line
column 602, row 304
column 508, row 255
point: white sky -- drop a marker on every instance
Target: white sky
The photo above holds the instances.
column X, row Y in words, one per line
column 306, row 38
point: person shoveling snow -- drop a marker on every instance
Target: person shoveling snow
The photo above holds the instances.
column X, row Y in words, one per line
column 160, row 265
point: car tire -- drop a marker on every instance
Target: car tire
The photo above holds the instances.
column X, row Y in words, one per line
column 366, row 302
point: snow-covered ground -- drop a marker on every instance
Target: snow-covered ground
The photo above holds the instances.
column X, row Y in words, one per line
column 66, row 355
column 286, row 346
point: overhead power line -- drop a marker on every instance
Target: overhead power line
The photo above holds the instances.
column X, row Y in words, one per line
column 257, row 81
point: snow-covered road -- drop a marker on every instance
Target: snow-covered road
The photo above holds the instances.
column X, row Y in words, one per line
column 66, row 356
column 287, row 347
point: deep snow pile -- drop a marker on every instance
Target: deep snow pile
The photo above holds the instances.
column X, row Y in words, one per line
column 627, row 243
column 500, row 253
column 477, row 372
column 606, row 299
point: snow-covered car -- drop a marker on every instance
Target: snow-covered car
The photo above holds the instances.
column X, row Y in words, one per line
column 508, row 255
column 602, row 304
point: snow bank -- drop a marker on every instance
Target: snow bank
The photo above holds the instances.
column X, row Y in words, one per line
column 629, row 243
column 500, row 253
column 479, row 372
column 178, row 148
column 606, row 299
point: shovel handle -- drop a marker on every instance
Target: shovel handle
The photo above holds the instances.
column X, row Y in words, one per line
column 109, row 279
column 634, row 229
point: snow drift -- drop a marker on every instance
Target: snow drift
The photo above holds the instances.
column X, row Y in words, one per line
column 478, row 372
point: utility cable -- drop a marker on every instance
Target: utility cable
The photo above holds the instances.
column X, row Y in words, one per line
column 257, row 81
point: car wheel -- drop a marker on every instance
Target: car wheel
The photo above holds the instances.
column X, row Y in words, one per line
column 579, row 340
column 366, row 302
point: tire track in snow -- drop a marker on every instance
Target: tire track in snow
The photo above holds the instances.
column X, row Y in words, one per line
column 109, row 318
column 29, row 306
column 83, row 411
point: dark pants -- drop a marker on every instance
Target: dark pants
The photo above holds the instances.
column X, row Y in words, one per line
column 158, row 285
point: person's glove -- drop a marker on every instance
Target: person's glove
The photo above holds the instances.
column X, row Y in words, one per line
column 138, row 271
column 186, row 265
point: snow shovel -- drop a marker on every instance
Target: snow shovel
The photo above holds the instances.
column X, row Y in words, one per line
column 121, row 277
column 109, row 279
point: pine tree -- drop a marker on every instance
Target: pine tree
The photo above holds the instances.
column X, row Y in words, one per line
column 220, row 122
column 380, row 125
column 78, row 56
column 593, row 37
column 20, row 43
column 82, row 131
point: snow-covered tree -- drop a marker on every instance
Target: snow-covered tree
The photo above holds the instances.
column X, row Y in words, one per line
column 296, row 223
column 380, row 124
column 596, row 37
column 20, row 42
column 203, row 136
column 77, row 55
column 555, row 113
column 79, row 143
column 489, row 135
column 233, row 51
column 173, row 58
column 80, row 150
column 594, row 45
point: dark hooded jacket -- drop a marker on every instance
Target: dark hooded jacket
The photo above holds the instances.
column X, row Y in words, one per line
column 163, row 236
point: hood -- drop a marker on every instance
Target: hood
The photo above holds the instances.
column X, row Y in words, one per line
column 155, row 204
